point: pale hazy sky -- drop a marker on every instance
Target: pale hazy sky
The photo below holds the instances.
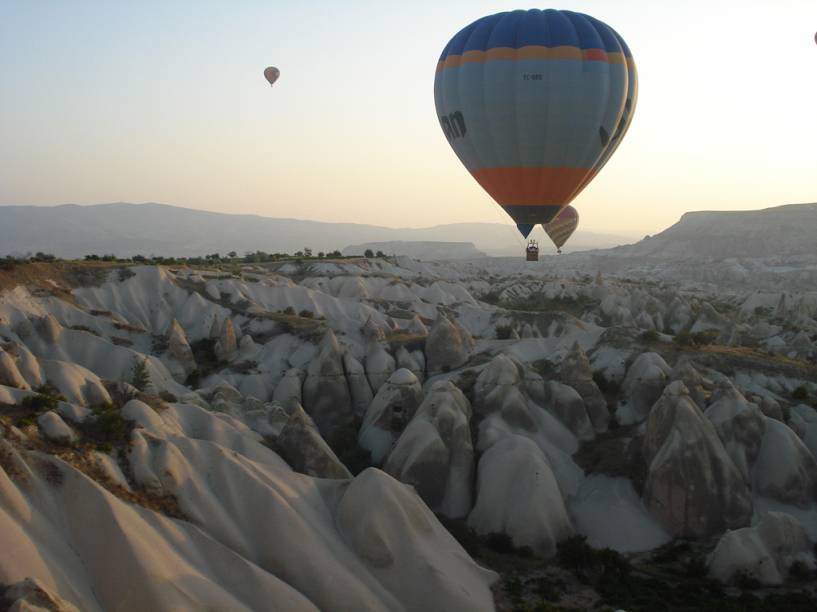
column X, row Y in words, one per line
column 165, row 101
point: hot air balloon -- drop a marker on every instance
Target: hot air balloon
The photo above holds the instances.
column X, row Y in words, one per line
column 271, row 74
column 562, row 226
column 534, row 103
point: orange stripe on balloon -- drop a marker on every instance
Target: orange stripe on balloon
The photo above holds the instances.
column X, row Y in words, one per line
column 533, row 52
column 542, row 186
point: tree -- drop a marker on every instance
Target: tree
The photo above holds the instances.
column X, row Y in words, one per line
column 368, row 253
column 231, row 254
column 307, row 252
column 140, row 378
column 380, row 254
column 320, row 254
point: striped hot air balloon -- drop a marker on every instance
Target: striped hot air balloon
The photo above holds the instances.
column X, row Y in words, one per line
column 562, row 226
column 534, row 103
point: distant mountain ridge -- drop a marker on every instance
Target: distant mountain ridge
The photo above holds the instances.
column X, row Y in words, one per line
column 122, row 229
column 778, row 231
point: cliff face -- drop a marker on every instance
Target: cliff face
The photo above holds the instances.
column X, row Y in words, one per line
column 783, row 230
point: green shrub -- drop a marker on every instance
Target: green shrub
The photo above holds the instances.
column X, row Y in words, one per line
column 307, row 314
column 696, row 567
column 800, row 393
column 586, row 562
column 40, row 402
column 107, row 427
column 499, row 542
column 743, row 579
column 800, row 572
column 650, row 336
column 47, row 397
column 513, row 587
column 289, row 310
column 168, row 397
column 604, row 384
column 463, row 534
column 684, row 339
column 140, row 378
column 503, row 332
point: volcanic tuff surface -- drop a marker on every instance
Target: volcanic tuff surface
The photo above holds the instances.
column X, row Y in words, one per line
column 283, row 409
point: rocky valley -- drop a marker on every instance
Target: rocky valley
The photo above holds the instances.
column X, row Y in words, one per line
column 590, row 431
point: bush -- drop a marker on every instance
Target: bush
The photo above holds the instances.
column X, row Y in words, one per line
column 684, row 339
column 368, row 253
column 289, row 310
column 107, row 427
column 650, row 336
column 39, row 402
column 140, row 378
column 503, row 332
column 587, row 563
column 499, row 542
column 47, row 397
column 513, row 587
column 307, row 314
column 604, row 384
column 168, row 397
column 800, row 572
column 463, row 534
column 745, row 580
column 800, row 393
column 696, row 567
column 125, row 274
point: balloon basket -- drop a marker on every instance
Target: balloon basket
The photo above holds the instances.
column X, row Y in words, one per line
column 532, row 251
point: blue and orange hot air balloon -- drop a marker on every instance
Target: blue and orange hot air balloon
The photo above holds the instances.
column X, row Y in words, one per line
column 534, row 103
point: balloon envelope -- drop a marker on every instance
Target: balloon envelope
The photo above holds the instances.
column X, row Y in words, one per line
column 534, row 103
column 271, row 74
column 562, row 226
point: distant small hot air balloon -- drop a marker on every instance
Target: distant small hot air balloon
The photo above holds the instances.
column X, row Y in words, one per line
column 534, row 103
column 562, row 227
column 271, row 74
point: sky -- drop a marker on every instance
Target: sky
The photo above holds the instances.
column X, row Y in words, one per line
column 164, row 101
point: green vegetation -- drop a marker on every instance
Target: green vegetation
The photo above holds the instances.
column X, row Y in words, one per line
column 47, row 397
column 503, row 332
column 688, row 340
column 800, row 393
column 140, row 378
column 107, row 427
column 650, row 336
column 606, row 386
